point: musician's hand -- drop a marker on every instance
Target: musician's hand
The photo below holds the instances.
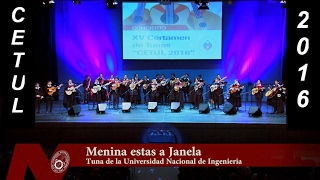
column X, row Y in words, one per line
column 50, row 90
column 38, row 95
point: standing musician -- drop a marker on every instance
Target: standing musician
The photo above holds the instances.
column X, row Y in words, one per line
column 134, row 90
column 154, row 94
column 86, row 87
column 163, row 90
column 146, row 88
column 196, row 96
column 257, row 91
column 185, row 85
column 277, row 99
column 115, row 92
column 103, row 91
column 215, row 94
column 69, row 100
column 124, row 88
column 38, row 97
column 136, row 78
column 96, row 96
column 176, row 93
column 235, row 94
column 50, row 91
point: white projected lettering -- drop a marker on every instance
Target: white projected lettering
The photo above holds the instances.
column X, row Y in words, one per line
column 176, row 31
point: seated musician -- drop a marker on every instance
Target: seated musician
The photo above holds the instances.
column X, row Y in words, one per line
column 38, row 97
column 257, row 91
column 49, row 95
column 115, row 92
column 69, row 100
column 133, row 92
column 154, row 93
column 96, row 96
column 124, row 89
column 176, row 94
column 235, row 94
column 216, row 93
column 146, row 88
column 277, row 99
column 186, row 85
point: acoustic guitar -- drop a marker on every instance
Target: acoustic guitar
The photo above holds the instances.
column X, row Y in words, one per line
column 72, row 90
column 145, row 86
column 272, row 92
column 203, row 19
column 256, row 90
column 53, row 89
column 234, row 89
column 140, row 16
column 171, row 14
column 98, row 88
column 134, row 85
column 215, row 87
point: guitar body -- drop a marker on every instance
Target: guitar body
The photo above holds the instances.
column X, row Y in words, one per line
column 203, row 19
column 53, row 90
column 173, row 14
column 213, row 88
column 145, row 86
column 153, row 87
column 185, row 84
column 115, row 86
column 68, row 92
column 255, row 91
column 271, row 93
column 234, row 89
column 140, row 16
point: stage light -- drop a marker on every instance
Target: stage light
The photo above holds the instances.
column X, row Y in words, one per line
column 111, row 4
column 284, row 4
column 203, row 5
column 48, row 3
column 76, row 2
column 51, row 2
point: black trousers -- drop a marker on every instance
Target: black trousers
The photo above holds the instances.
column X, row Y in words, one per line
column 37, row 104
column 185, row 91
column 49, row 102
column 86, row 96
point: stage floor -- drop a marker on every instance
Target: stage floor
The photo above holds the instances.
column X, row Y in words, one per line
column 140, row 114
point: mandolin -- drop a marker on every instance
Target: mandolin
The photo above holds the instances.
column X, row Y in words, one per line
column 53, row 89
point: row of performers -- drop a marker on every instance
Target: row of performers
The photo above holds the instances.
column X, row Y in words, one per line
column 161, row 90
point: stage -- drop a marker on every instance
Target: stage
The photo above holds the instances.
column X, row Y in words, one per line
column 141, row 114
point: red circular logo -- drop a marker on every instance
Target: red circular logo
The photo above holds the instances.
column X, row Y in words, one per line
column 60, row 161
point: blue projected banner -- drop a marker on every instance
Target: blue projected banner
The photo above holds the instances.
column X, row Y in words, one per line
column 175, row 31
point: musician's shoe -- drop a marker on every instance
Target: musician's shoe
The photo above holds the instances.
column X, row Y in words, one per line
column 274, row 112
column 39, row 112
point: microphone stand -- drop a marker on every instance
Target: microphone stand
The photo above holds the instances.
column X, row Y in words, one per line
column 109, row 103
column 188, row 96
column 245, row 104
column 169, row 96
